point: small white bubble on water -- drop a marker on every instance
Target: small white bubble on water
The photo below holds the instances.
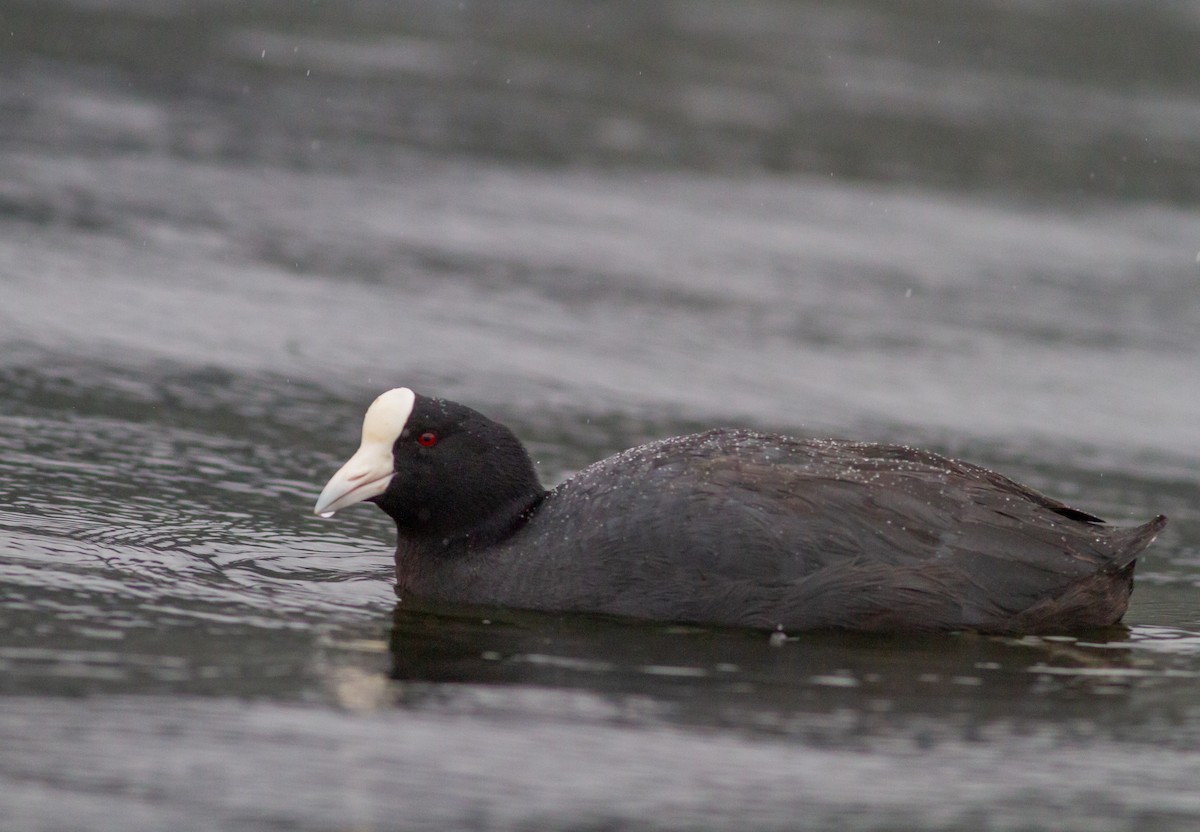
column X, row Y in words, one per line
column 327, row 514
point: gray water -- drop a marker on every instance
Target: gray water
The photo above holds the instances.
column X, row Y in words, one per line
column 225, row 227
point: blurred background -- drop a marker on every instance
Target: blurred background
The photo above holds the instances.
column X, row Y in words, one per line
column 970, row 225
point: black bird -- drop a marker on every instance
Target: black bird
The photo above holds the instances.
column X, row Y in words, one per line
column 732, row 527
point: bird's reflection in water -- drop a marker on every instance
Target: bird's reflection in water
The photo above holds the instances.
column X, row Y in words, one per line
column 831, row 688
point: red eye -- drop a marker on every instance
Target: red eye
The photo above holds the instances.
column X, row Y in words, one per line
column 427, row 439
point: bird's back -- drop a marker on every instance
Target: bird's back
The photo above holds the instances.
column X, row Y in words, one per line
column 753, row 529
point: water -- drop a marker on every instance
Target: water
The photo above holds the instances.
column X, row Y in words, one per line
column 224, row 229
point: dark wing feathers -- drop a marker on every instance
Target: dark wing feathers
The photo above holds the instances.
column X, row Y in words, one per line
column 823, row 533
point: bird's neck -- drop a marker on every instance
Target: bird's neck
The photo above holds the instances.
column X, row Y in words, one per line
column 422, row 553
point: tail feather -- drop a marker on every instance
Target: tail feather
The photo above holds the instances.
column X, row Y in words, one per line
column 1128, row 543
column 1100, row 599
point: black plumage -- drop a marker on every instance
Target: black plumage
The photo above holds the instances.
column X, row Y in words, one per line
column 750, row 529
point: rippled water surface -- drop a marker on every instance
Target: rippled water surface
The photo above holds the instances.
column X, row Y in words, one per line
column 225, row 227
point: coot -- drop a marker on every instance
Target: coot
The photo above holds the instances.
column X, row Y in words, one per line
column 732, row 527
